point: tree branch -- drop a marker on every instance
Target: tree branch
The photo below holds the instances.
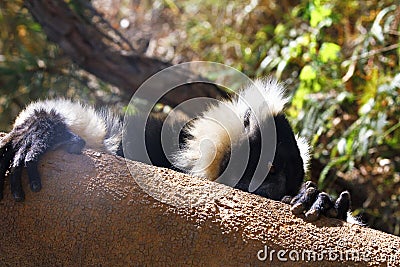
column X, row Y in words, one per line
column 87, row 46
column 91, row 211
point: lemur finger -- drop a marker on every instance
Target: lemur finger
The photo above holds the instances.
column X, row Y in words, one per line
column 322, row 204
column 302, row 191
column 305, row 201
column 15, row 184
column 293, row 200
column 34, row 177
column 6, row 155
column 342, row 205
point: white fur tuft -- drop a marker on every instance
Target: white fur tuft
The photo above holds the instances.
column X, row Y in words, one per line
column 213, row 134
column 114, row 130
column 265, row 97
column 83, row 120
column 354, row 220
column 221, row 125
column 305, row 151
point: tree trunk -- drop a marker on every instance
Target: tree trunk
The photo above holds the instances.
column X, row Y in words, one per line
column 91, row 211
column 96, row 51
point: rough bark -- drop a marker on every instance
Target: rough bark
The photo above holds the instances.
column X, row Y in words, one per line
column 96, row 51
column 91, row 211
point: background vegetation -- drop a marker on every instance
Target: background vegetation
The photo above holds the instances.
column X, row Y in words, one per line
column 340, row 60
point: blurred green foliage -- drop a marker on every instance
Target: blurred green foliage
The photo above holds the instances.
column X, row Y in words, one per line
column 339, row 59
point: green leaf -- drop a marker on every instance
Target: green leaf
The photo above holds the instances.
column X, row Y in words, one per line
column 308, row 73
column 318, row 14
column 280, row 29
column 328, row 51
column 370, row 89
column 334, row 162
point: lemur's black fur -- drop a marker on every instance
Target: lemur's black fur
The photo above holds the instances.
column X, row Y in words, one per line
column 27, row 142
column 44, row 126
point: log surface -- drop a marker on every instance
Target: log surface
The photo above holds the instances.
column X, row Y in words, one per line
column 91, row 211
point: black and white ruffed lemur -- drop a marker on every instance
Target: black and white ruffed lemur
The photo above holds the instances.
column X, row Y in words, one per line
column 60, row 123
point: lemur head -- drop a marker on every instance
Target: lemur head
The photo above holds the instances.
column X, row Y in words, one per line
column 247, row 143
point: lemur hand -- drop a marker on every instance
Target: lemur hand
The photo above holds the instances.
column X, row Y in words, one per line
column 313, row 203
column 26, row 143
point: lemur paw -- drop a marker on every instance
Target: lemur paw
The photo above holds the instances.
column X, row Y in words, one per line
column 313, row 203
column 26, row 143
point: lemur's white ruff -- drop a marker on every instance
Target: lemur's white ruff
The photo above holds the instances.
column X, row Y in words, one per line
column 222, row 124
